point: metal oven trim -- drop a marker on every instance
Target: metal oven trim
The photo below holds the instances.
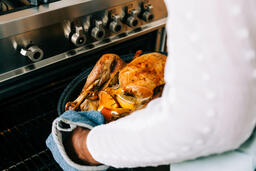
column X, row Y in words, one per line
column 37, row 17
column 159, row 24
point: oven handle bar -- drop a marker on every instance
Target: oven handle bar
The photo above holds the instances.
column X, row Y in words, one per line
column 84, row 49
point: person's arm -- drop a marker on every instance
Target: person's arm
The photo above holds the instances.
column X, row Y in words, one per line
column 208, row 103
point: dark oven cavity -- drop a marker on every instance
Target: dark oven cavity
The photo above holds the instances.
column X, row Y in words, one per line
column 27, row 113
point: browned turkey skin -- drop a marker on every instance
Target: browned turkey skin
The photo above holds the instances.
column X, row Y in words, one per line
column 116, row 89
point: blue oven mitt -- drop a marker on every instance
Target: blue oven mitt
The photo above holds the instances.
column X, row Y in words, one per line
column 64, row 125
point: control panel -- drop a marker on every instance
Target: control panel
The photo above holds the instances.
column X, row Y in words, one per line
column 38, row 37
column 115, row 20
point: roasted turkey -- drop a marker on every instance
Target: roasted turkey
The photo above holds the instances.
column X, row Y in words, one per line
column 116, row 89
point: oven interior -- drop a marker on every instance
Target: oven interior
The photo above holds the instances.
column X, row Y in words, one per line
column 29, row 106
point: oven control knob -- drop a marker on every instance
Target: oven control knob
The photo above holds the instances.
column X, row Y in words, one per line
column 98, row 32
column 34, row 53
column 115, row 25
column 78, row 38
column 147, row 15
column 75, row 33
column 132, row 20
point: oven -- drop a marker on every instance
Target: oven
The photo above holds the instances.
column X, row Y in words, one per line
column 44, row 44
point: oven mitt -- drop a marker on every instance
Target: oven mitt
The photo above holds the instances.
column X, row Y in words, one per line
column 61, row 127
column 241, row 159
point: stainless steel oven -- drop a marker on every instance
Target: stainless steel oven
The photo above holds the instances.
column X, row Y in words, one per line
column 44, row 44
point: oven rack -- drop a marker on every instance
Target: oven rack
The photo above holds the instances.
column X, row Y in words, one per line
column 36, row 162
column 22, row 149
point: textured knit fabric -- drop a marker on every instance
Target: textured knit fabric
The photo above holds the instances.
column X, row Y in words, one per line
column 208, row 103
column 241, row 159
column 64, row 125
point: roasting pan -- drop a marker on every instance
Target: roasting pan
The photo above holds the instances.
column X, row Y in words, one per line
column 74, row 88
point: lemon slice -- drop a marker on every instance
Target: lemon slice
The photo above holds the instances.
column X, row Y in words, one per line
column 127, row 102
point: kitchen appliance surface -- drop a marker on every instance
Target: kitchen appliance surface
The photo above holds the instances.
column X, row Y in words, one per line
column 44, row 44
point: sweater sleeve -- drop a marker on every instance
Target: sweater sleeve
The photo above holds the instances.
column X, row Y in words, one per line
column 208, row 103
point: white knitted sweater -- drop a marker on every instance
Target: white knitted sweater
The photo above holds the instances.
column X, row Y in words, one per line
column 208, row 104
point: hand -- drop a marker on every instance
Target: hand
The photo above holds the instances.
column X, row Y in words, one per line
column 76, row 147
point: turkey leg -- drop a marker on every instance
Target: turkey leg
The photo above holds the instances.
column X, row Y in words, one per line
column 105, row 69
